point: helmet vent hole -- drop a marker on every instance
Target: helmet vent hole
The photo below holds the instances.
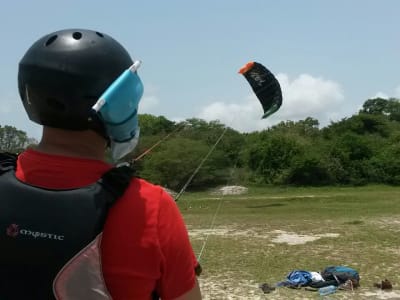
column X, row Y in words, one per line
column 77, row 35
column 55, row 104
column 99, row 34
column 50, row 40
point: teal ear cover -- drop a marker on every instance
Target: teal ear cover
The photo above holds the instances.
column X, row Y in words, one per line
column 120, row 111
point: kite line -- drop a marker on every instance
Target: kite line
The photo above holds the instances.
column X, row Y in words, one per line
column 200, row 165
column 147, row 151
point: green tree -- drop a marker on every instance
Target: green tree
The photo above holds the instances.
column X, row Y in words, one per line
column 309, row 169
column 394, row 109
column 271, row 156
column 199, row 129
column 13, row 140
column 152, row 125
column 302, row 128
column 176, row 160
column 379, row 106
column 375, row 106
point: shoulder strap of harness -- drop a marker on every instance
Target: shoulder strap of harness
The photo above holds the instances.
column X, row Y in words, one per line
column 115, row 181
column 8, row 162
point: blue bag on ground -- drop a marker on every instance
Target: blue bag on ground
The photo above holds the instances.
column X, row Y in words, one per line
column 297, row 278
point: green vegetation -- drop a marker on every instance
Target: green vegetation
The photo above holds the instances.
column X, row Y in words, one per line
column 14, row 140
column 359, row 150
column 354, row 226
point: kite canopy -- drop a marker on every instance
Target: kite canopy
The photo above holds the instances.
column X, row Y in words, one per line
column 265, row 86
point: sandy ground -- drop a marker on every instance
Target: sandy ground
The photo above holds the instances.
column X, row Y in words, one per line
column 214, row 288
column 224, row 287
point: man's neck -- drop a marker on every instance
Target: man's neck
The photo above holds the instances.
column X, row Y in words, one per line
column 83, row 144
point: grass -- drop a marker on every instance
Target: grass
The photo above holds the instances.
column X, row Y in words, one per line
column 240, row 252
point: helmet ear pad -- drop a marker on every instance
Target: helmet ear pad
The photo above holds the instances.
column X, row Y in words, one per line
column 64, row 73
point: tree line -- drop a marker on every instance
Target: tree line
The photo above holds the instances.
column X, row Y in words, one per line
column 358, row 150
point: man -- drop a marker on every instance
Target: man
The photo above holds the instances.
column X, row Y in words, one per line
column 56, row 198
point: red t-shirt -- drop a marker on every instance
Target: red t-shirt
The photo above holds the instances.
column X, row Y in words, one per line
column 145, row 244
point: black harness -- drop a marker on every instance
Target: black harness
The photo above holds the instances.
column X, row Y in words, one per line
column 42, row 229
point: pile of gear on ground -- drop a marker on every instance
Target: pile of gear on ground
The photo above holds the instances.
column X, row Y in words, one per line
column 328, row 281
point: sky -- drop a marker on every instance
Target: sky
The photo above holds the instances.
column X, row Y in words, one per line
column 329, row 56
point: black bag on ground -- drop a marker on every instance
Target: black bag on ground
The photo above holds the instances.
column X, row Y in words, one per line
column 340, row 274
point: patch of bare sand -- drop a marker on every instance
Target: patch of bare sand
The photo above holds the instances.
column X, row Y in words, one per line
column 392, row 223
column 230, row 190
column 291, row 238
column 276, row 236
column 224, row 287
column 275, row 197
column 382, row 294
column 224, row 232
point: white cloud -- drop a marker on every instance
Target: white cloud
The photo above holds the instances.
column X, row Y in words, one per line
column 150, row 101
column 397, row 92
column 147, row 104
column 307, row 96
column 304, row 96
column 242, row 117
column 380, row 95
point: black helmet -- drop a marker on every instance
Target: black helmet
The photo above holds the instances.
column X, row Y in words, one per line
column 63, row 74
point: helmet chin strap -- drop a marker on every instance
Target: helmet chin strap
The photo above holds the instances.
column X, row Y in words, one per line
column 95, row 124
